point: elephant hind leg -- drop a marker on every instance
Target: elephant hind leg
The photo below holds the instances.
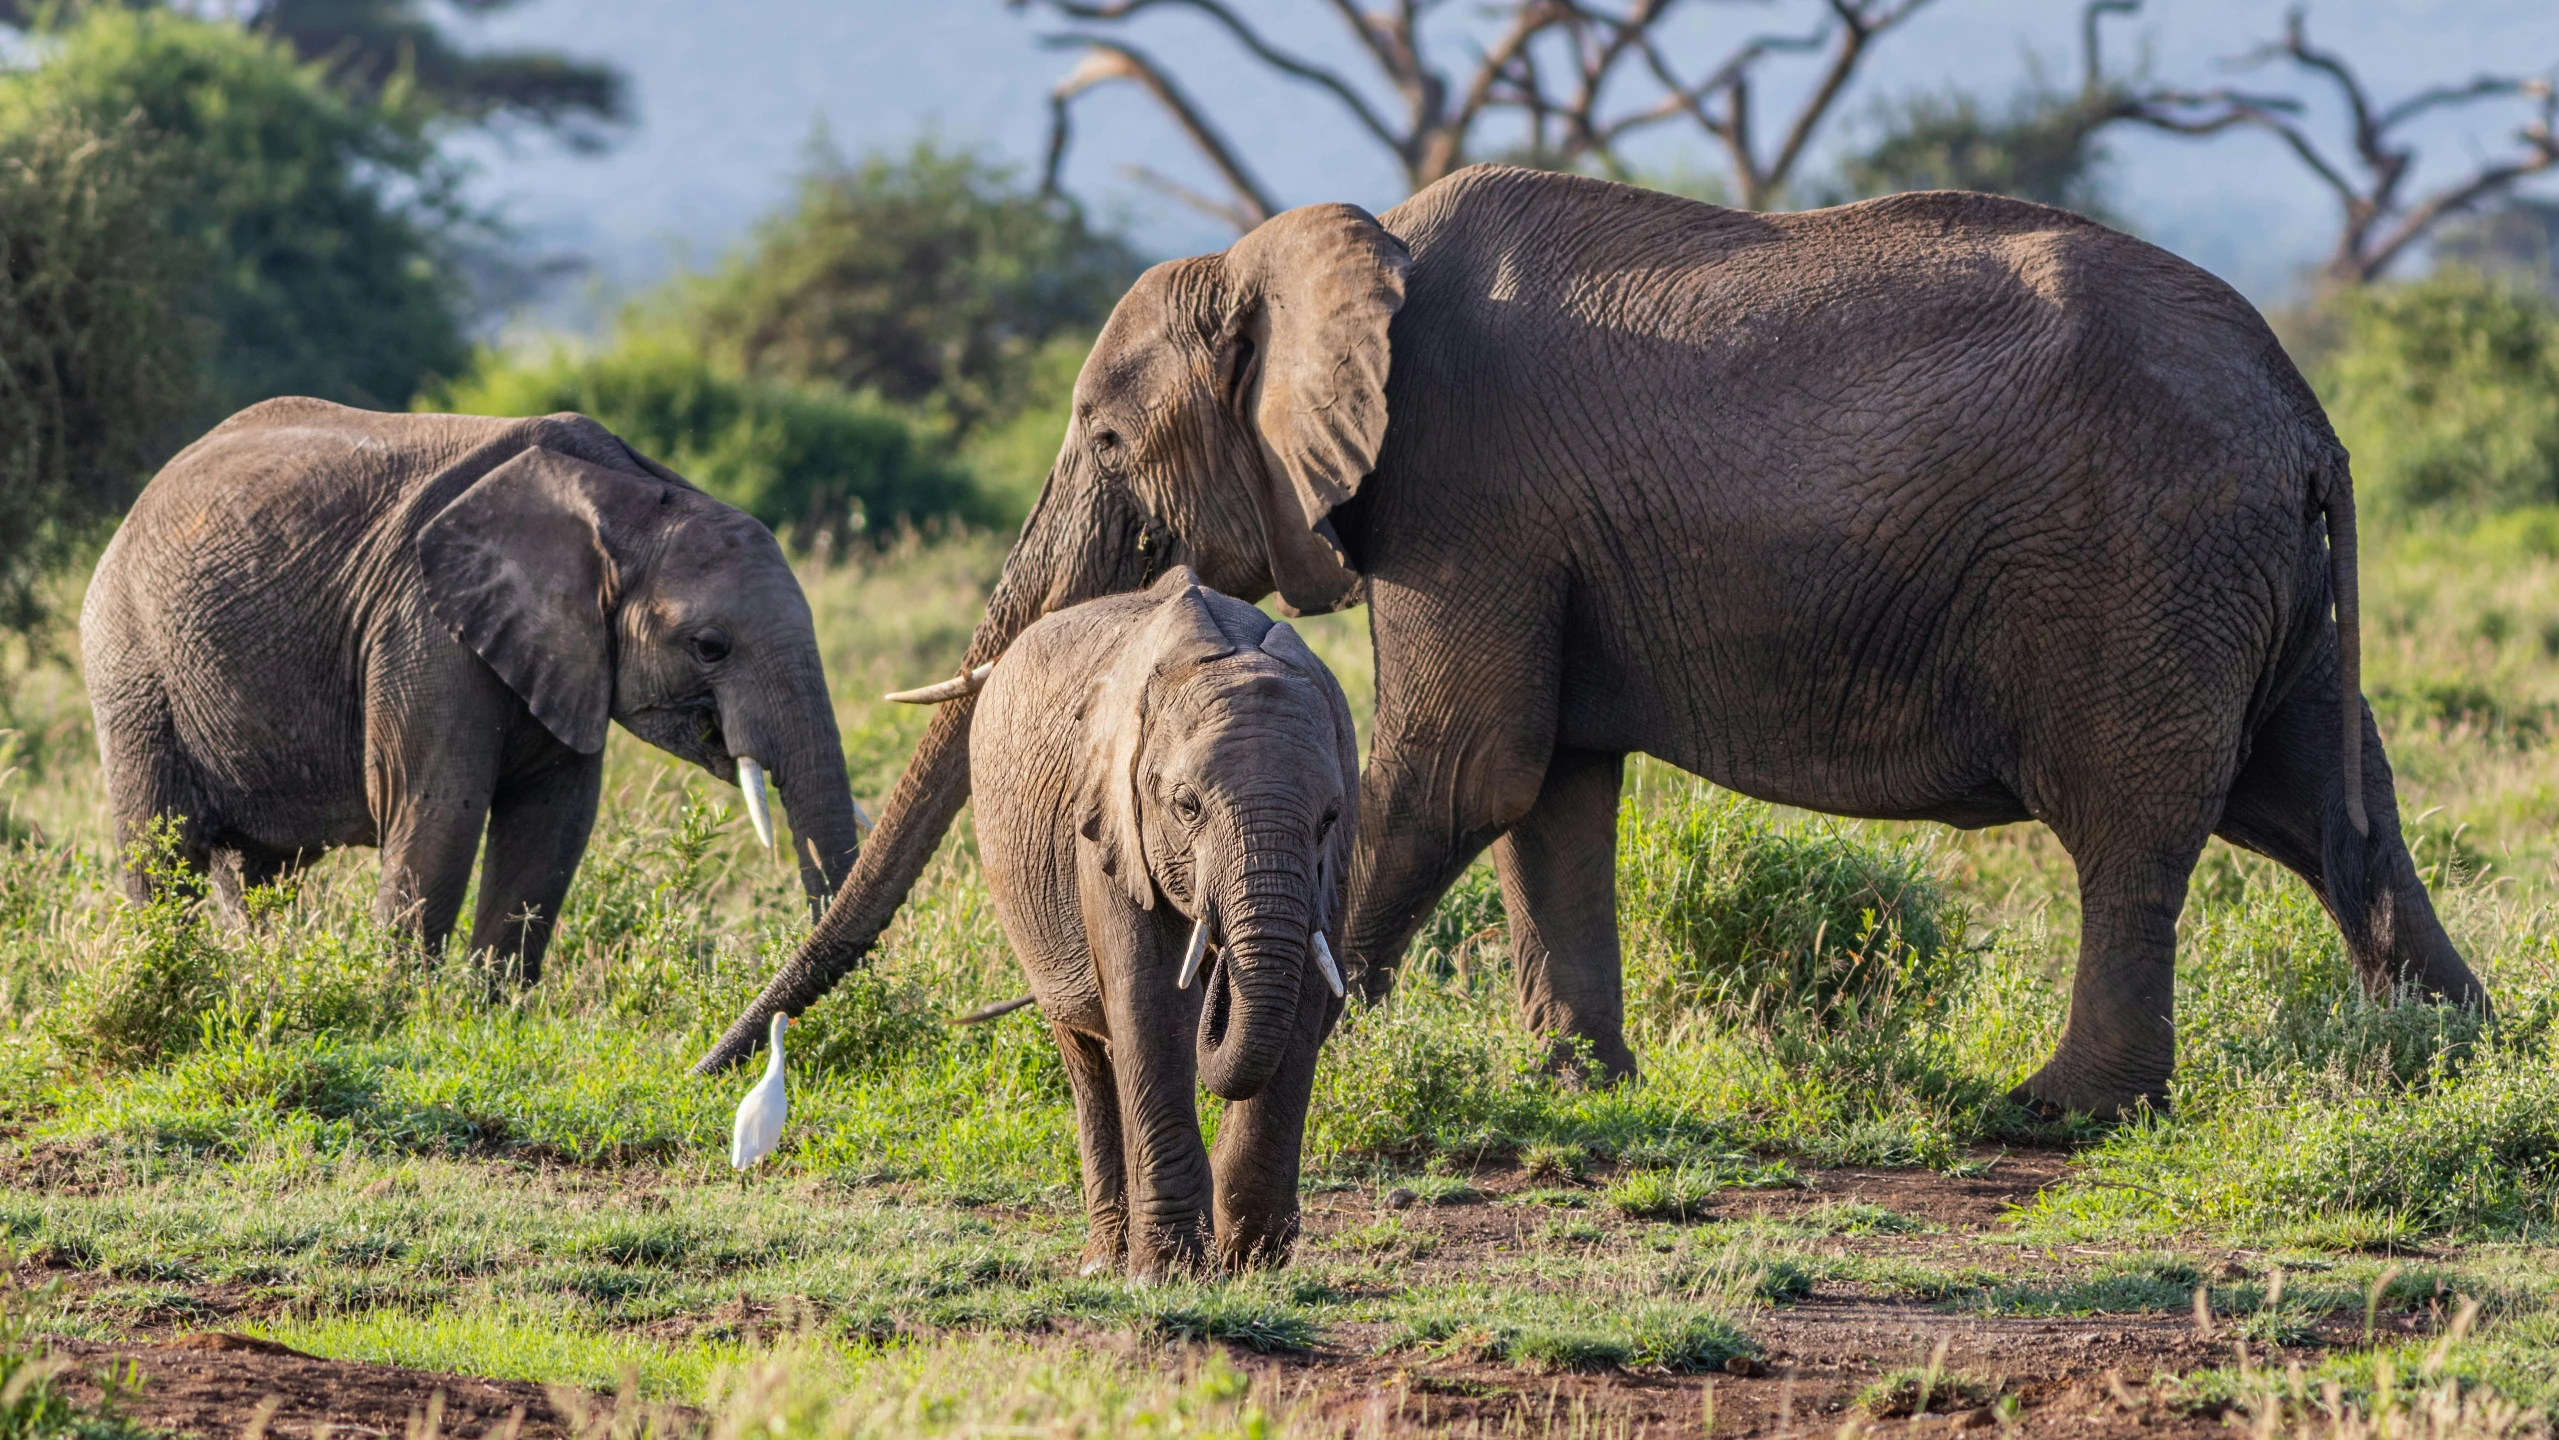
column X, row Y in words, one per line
column 2119, row 1045
column 2134, row 820
column 150, row 778
column 2288, row 804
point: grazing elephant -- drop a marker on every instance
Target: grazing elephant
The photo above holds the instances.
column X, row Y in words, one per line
column 1164, row 810
column 322, row 626
column 1941, row 506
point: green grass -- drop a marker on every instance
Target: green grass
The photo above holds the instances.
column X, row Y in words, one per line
column 390, row 1165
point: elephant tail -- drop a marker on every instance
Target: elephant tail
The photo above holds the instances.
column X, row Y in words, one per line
column 2337, row 499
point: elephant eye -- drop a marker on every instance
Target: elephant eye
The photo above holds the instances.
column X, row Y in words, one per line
column 711, row 646
column 1186, row 803
column 1324, row 826
column 1106, row 448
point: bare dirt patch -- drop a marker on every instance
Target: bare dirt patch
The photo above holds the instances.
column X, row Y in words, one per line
column 2084, row 1375
column 2076, row 1375
column 218, row 1384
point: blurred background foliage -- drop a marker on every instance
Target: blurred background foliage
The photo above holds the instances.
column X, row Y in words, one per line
column 895, row 349
column 198, row 213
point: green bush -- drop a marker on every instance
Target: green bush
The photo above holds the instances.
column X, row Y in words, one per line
column 809, row 458
column 1784, row 923
column 935, row 279
column 317, row 221
column 93, row 372
column 162, row 973
column 2446, row 391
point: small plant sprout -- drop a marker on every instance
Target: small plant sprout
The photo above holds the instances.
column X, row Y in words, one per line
column 760, row 1114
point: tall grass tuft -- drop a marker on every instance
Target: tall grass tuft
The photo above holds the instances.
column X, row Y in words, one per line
column 1815, row 923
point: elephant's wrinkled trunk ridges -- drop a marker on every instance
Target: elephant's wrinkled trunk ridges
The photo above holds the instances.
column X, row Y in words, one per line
column 1250, row 1018
column 783, row 719
column 1082, row 540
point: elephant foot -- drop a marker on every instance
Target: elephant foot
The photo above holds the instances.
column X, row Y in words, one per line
column 1597, row 1061
column 1105, row 1246
column 2059, row 1090
column 1264, row 1246
column 1167, row 1252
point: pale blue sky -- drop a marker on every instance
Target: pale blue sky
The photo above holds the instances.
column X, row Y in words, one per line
column 729, row 95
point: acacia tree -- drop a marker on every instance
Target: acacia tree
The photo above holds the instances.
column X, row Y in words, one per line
column 1568, row 82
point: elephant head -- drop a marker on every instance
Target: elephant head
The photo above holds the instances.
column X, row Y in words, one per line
column 599, row 594
column 1232, row 404
column 1220, row 773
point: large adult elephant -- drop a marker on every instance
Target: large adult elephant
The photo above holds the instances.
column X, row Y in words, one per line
column 1941, row 507
column 322, row 626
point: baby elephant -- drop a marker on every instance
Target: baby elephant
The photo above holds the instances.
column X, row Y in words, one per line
column 1165, row 787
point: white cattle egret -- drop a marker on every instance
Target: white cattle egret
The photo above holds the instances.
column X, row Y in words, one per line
column 760, row 1114
column 750, row 778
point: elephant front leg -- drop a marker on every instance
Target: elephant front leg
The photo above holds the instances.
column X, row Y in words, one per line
column 538, row 830
column 1137, row 954
column 1558, row 868
column 1261, row 1145
column 427, row 852
column 1097, row 1136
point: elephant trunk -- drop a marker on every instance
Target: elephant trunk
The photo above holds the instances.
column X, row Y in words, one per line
column 784, row 721
column 1249, row 1018
column 1082, row 540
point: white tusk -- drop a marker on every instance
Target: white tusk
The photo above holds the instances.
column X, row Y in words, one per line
column 862, row 817
column 1324, row 962
column 750, row 778
column 951, row 689
column 1191, row 956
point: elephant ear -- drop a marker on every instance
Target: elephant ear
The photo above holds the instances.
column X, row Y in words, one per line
column 1180, row 633
column 520, row 567
column 1316, row 288
column 1284, row 644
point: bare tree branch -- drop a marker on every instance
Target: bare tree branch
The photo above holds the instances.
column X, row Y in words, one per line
column 1246, row 36
column 2379, row 223
column 1108, row 60
column 1561, row 68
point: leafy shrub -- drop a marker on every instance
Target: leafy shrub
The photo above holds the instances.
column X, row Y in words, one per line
column 933, row 278
column 92, row 376
column 2446, row 390
column 1811, row 922
column 1399, row 1078
column 867, row 1025
column 146, row 997
column 807, row 458
column 315, row 221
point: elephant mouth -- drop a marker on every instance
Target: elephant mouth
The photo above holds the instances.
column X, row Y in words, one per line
column 689, row 730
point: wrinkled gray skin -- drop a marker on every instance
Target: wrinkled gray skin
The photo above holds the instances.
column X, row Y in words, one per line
column 322, row 626
column 1941, row 506
column 1145, row 761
